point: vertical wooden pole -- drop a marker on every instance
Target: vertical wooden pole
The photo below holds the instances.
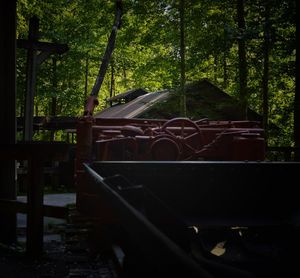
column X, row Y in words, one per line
column 30, row 79
column 35, row 193
column 8, row 113
column 83, row 154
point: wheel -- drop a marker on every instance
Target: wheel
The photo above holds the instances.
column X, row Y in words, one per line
column 187, row 132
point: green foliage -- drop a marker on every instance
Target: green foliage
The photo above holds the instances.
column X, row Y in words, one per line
column 147, row 51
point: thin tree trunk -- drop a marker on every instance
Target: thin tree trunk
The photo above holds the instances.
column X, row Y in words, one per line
column 86, row 76
column 53, row 109
column 124, row 76
column 54, row 88
column 225, row 70
column 225, row 52
column 242, row 58
column 112, row 81
column 297, row 92
column 182, row 59
column 265, row 77
column 215, row 68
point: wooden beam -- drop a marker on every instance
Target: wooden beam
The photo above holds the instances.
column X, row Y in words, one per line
column 36, row 153
column 42, row 46
column 21, row 207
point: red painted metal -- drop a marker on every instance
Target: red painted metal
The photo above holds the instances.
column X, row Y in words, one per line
column 178, row 139
column 175, row 139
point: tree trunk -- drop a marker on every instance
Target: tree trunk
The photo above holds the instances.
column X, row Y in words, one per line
column 216, row 68
column 86, row 76
column 242, row 58
column 265, row 77
column 225, row 70
column 297, row 92
column 182, row 59
column 112, row 81
column 53, row 98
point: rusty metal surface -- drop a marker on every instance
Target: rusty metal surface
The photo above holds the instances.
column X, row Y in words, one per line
column 211, row 176
column 262, row 249
column 169, row 258
column 218, row 193
column 176, row 139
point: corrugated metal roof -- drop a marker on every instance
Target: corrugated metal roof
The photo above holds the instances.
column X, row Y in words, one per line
column 133, row 92
column 135, row 107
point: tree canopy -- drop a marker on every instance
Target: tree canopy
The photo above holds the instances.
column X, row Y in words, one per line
column 147, row 53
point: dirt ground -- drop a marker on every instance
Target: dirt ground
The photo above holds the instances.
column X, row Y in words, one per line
column 68, row 256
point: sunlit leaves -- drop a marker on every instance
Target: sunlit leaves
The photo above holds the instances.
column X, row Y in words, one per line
column 147, row 50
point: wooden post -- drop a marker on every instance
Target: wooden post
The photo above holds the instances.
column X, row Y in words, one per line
column 83, row 155
column 8, row 113
column 30, row 79
column 34, row 60
column 35, row 193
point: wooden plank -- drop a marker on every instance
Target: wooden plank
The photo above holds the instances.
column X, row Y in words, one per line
column 21, row 207
column 13, row 206
column 57, row 151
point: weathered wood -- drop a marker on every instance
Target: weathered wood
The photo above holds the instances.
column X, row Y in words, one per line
column 7, row 113
column 33, row 61
column 13, row 206
column 35, row 192
column 42, row 46
column 50, row 123
column 30, row 79
column 35, row 150
column 36, row 153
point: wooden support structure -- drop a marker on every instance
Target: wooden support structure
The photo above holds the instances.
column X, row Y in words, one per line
column 7, row 113
column 36, row 153
column 22, row 207
column 37, row 53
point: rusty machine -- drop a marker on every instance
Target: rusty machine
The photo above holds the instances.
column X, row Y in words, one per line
column 178, row 139
column 188, row 198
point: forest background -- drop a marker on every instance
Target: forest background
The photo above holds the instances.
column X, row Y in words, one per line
column 247, row 48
